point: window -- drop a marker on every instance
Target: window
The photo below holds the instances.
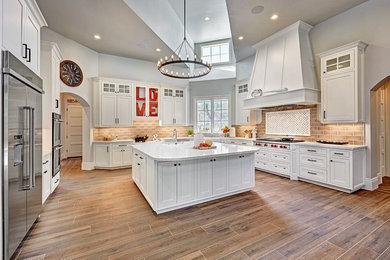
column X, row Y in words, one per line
column 212, row 114
column 216, row 53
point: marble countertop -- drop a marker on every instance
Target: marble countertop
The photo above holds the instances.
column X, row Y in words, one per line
column 114, row 141
column 332, row 146
column 185, row 150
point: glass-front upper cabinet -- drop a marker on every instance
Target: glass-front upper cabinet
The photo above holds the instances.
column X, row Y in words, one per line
column 146, row 102
column 342, row 61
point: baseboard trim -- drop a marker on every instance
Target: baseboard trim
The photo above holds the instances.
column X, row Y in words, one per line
column 371, row 184
column 87, row 166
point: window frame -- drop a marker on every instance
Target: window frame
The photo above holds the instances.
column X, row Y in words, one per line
column 211, row 98
column 211, row 45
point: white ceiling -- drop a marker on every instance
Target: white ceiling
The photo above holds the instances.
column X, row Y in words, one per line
column 122, row 32
column 218, row 27
column 256, row 27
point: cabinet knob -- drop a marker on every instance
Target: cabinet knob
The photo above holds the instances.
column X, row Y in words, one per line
column 331, row 160
column 179, row 164
column 174, row 164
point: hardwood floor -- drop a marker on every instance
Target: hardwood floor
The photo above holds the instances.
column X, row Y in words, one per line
column 101, row 215
column 385, row 186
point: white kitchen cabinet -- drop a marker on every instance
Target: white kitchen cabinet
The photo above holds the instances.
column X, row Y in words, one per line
column 342, row 98
column 186, row 181
column 339, row 172
column 113, row 103
column 235, row 174
column 173, row 107
column 113, row 154
column 102, row 155
column 46, row 176
column 146, row 101
column 108, row 110
column 204, row 178
column 245, row 116
column 22, row 21
column 334, row 167
column 220, row 175
column 51, row 57
column 166, row 184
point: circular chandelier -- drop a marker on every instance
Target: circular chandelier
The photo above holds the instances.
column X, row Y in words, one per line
column 183, row 63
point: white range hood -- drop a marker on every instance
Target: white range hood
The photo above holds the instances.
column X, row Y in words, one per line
column 284, row 70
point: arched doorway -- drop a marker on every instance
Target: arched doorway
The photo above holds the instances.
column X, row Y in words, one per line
column 84, row 128
column 380, row 129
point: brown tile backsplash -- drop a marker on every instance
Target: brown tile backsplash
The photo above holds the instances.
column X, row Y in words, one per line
column 141, row 128
column 353, row 133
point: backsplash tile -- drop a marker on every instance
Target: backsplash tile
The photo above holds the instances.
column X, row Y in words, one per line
column 141, row 128
column 352, row 133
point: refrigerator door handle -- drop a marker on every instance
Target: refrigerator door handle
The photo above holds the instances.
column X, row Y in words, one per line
column 32, row 147
column 25, row 156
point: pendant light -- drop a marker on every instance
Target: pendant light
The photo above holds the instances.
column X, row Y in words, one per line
column 183, row 63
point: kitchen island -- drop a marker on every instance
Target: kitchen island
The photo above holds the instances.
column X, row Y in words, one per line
column 172, row 176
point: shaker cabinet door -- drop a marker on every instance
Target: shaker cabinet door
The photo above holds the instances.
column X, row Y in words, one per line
column 204, row 178
column 124, row 113
column 102, row 155
column 340, row 173
column 220, row 175
column 166, row 184
column 108, row 110
column 186, row 181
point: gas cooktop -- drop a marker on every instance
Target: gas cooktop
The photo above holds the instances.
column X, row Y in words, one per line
column 279, row 140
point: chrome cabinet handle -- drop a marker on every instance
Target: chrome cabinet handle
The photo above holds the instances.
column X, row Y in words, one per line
column 311, row 160
column 29, row 55
column 32, row 137
column 57, row 181
column 312, row 173
column 339, row 153
column 46, row 161
column 314, row 151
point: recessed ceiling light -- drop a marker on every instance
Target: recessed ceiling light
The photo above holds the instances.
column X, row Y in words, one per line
column 97, row 37
column 257, row 9
column 158, row 49
column 274, row 17
column 240, row 38
column 207, row 18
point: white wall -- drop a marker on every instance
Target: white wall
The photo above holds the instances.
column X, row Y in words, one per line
column 126, row 68
column 244, row 68
column 369, row 22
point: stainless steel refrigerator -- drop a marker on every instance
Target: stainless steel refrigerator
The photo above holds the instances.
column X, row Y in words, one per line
column 22, row 151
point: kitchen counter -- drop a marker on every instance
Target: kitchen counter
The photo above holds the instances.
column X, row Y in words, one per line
column 185, row 150
column 172, row 176
column 333, row 146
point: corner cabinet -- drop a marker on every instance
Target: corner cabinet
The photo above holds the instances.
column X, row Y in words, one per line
column 146, row 101
column 113, row 103
column 245, row 116
column 342, row 99
column 173, row 106
column 22, row 22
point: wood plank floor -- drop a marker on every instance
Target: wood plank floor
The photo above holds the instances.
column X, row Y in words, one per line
column 102, row 215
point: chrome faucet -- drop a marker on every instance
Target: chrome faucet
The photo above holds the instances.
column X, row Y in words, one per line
column 175, row 135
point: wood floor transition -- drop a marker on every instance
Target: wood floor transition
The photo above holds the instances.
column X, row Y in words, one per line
column 101, row 215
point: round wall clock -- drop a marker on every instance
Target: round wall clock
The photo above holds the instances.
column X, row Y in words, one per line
column 70, row 73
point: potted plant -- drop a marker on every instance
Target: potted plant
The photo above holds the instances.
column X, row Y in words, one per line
column 190, row 132
column 225, row 131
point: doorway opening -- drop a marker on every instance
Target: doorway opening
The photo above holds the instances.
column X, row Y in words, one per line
column 381, row 109
column 72, row 128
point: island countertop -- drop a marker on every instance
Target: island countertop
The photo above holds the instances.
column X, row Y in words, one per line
column 185, row 150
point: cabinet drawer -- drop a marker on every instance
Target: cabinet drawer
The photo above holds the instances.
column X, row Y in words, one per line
column 280, row 158
column 278, row 168
column 121, row 146
column 262, row 165
column 340, row 153
column 313, row 161
column 313, row 150
column 313, row 174
column 139, row 156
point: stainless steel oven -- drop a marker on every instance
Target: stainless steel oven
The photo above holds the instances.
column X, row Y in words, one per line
column 56, row 160
column 57, row 145
column 56, row 129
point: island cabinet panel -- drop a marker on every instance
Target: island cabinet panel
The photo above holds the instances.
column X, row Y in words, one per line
column 220, row 175
column 204, row 178
column 235, row 174
column 166, row 184
column 247, row 168
column 339, row 172
column 185, row 181
column 102, row 155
